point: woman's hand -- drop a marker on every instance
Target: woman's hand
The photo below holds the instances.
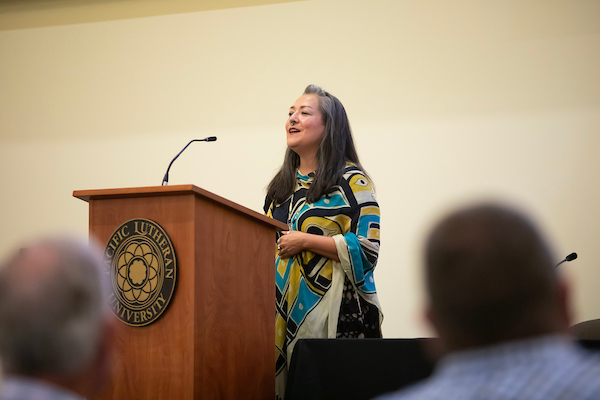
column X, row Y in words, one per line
column 293, row 242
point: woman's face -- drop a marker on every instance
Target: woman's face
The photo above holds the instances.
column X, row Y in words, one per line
column 304, row 126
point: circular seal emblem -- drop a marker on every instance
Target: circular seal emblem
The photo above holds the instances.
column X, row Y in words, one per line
column 142, row 264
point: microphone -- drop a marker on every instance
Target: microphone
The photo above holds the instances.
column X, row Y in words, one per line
column 208, row 139
column 570, row 257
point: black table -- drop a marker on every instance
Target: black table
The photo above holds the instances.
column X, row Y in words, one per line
column 356, row 369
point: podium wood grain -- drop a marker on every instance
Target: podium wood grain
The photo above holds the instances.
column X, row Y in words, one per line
column 216, row 338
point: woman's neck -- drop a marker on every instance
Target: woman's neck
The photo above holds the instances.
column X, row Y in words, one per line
column 307, row 165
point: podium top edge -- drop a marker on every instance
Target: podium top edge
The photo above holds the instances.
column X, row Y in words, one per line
column 151, row 191
column 96, row 194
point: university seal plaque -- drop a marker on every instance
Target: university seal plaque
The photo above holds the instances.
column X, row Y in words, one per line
column 142, row 264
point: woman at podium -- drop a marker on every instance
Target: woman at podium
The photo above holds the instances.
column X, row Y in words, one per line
column 325, row 286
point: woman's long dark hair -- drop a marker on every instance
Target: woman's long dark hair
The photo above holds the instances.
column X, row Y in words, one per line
column 335, row 149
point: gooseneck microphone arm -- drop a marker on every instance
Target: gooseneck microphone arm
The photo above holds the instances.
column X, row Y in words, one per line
column 570, row 257
column 165, row 181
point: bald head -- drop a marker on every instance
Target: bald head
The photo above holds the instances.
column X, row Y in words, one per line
column 51, row 308
column 490, row 277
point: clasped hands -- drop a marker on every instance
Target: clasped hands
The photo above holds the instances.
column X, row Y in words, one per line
column 291, row 243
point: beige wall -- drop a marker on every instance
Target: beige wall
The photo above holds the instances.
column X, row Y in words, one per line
column 449, row 101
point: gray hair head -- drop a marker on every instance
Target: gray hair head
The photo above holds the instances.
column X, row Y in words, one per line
column 336, row 147
column 52, row 308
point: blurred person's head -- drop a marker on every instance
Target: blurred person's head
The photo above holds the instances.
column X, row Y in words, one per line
column 54, row 323
column 490, row 278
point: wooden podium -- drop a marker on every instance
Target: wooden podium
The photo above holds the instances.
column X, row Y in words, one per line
column 215, row 340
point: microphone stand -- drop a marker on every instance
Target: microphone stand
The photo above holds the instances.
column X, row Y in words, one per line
column 570, row 257
column 165, row 181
